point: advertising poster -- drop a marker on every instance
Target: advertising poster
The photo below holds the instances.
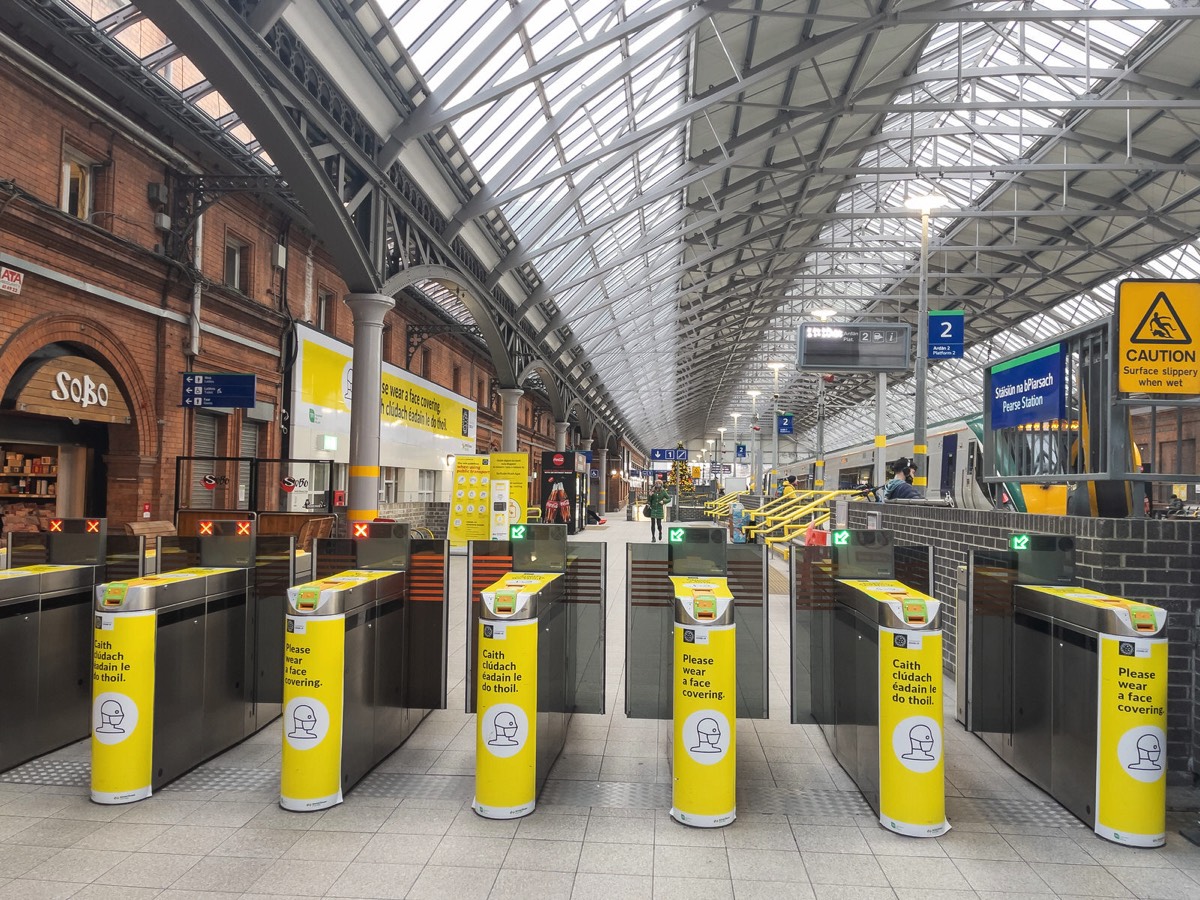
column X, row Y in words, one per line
column 470, row 491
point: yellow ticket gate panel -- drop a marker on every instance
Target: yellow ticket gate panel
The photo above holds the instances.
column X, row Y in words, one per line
column 704, row 752
column 123, row 682
column 314, row 685
column 912, row 792
column 1131, row 716
column 507, row 700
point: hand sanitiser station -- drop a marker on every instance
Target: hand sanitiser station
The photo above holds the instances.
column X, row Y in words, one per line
column 1069, row 686
column 877, row 682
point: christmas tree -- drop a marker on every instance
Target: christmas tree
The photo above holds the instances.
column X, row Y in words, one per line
column 680, row 476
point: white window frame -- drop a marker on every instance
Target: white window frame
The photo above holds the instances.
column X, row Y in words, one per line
column 72, row 160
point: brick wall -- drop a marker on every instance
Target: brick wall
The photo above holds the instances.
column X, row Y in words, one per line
column 1155, row 560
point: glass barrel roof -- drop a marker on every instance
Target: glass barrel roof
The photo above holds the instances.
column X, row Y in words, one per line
column 680, row 230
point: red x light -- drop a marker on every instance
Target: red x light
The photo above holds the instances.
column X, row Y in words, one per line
column 56, row 525
column 93, row 526
column 206, row 527
column 362, row 529
column 243, row 528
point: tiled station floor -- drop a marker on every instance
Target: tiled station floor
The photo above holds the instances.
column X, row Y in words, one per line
column 601, row 829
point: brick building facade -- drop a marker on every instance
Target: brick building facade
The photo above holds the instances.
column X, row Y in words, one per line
column 85, row 200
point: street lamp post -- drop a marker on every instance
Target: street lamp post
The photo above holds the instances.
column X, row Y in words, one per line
column 775, row 367
column 736, row 436
column 924, row 204
column 756, row 453
column 721, row 457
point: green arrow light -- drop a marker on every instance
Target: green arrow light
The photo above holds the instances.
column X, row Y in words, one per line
column 675, row 535
column 841, row 539
column 516, row 532
column 1019, row 542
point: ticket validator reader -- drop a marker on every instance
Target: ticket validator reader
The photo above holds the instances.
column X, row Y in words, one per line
column 704, row 748
column 877, row 684
column 1069, row 686
column 175, row 673
column 364, row 661
column 46, row 634
column 521, row 714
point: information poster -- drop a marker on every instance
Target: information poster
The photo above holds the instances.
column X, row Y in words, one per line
column 514, row 468
column 313, row 696
column 470, row 492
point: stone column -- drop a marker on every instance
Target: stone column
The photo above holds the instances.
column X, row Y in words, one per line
column 368, row 311
column 560, row 435
column 601, row 458
column 509, row 407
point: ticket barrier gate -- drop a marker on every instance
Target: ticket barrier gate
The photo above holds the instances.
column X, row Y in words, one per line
column 186, row 662
column 685, row 661
column 45, row 636
column 1069, row 686
column 876, row 680
column 535, row 658
column 365, row 659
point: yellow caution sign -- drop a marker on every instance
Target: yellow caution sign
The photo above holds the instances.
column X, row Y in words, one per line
column 123, row 648
column 1158, row 327
column 1131, row 784
column 506, row 719
column 912, row 793
column 314, row 651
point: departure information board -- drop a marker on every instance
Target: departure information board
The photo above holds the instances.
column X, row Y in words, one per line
column 854, row 347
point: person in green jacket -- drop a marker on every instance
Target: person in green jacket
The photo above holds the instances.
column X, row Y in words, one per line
column 657, row 499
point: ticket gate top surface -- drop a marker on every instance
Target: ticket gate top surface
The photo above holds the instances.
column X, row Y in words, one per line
column 156, row 591
column 897, row 604
column 345, row 591
column 512, row 595
column 1104, row 613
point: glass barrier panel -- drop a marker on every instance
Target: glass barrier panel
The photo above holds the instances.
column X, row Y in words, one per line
column 487, row 562
column 586, row 589
column 747, row 573
column 812, row 588
column 649, row 631
column 428, row 620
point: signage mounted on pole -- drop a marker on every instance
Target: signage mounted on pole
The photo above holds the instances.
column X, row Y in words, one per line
column 786, row 423
column 946, row 334
column 218, row 389
column 1158, row 330
column 854, row 347
column 741, row 451
column 1029, row 388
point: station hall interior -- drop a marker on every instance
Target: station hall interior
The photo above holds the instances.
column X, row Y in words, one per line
column 770, row 472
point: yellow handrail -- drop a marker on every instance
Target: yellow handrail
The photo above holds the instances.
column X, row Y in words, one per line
column 772, row 524
column 720, row 507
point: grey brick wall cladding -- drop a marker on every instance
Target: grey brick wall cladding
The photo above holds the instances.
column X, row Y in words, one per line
column 1144, row 559
column 434, row 516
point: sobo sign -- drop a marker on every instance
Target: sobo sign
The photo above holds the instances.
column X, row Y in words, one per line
column 86, row 392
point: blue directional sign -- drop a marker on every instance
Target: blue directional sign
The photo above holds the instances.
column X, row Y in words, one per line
column 662, row 455
column 741, row 451
column 786, row 423
column 218, row 389
column 946, row 334
column 681, row 454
